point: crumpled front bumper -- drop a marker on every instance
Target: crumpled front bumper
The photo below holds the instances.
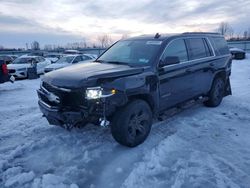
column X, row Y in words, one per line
column 57, row 117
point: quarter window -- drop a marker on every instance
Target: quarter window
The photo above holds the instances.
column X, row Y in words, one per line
column 178, row 49
column 221, row 45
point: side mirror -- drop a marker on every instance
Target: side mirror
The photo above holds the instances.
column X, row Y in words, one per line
column 169, row 60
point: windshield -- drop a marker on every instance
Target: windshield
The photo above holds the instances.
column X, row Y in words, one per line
column 131, row 52
column 22, row 60
column 66, row 59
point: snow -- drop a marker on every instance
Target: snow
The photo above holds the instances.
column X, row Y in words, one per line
column 197, row 147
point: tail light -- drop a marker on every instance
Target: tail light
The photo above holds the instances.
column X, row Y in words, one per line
column 4, row 69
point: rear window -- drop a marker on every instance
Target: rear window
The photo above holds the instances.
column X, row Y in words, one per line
column 221, row 45
column 198, row 48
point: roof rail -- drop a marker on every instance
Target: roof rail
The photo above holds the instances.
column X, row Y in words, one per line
column 209, row 33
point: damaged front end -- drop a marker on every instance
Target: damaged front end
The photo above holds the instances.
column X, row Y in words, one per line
column 74, row 107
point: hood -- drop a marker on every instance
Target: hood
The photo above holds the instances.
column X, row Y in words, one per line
column 18, row 66
column 57, row 65
column 80, row 75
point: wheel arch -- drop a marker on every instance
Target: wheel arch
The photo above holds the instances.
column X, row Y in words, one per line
column 147, row 98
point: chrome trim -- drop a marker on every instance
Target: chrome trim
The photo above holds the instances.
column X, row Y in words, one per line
column 51, row 96
column 59, row 88
column 48, row 106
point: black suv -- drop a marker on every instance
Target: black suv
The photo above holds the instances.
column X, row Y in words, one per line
column 136, row 80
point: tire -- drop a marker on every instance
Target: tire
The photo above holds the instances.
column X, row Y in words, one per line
column 131, row 125
column 216, row 93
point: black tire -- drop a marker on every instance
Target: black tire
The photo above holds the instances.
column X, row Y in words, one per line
column 216, row 93
column 131, row 125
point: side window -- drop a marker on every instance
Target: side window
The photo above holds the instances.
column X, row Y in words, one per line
column 177, row 48
column 77, row 59
column 196, row 48
column 37, row 59
column 221, row 45
column 84, row 57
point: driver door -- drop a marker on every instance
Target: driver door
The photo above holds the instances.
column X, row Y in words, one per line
column 175, row 80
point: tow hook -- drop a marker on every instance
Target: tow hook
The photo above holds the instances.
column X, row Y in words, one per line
column 103, row 121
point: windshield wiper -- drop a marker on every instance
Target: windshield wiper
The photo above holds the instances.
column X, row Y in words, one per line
column 99, row 61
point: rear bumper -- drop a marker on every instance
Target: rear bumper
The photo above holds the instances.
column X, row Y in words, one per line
column 57, row 117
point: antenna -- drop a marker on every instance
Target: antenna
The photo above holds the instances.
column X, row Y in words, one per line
column 157, row 35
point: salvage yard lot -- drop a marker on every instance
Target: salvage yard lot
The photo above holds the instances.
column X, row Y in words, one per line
column 198, row 147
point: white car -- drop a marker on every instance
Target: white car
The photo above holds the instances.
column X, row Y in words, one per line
column 69, row 60
column 18, row 68
column 53, row 57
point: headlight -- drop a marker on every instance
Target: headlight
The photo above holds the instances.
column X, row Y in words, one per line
column 98, row 92
column 94, row 93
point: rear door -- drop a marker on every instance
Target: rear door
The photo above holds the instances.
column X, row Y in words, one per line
column 201, row 58
column 175, row 82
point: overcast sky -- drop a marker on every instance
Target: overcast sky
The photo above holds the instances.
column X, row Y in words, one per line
column 62, row 21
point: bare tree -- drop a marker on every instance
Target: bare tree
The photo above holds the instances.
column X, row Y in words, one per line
column 230, row 33
column 245, row 34
column 27, row 46
column 47, row 47
column 105, row 40
column 35, row 45
column 223, row 28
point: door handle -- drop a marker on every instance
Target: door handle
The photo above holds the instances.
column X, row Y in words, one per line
column 188, row 71
column 211, row 64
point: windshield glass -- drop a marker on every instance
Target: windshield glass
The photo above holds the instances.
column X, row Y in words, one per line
column 66, row 59
column 131, row 52
column 22, row 60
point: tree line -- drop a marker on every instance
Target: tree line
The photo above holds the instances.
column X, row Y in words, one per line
column 227, row 30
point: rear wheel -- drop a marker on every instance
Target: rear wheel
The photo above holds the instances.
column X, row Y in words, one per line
column 216, row 93
column 132, row 124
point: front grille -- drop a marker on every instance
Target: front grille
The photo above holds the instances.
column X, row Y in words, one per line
column 72, row 98
column 11, row 70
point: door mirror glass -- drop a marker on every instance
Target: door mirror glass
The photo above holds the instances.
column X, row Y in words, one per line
column 170, row 60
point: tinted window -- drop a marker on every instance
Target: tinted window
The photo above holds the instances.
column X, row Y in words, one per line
column 84, row 57
column 176, row 48
column 196, row 48
column 221, row 45
column 77, row 59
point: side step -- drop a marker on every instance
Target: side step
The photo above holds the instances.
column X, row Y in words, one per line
column 180, row 107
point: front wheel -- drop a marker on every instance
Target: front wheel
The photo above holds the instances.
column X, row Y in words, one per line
column 216, row 93
column 132, row 124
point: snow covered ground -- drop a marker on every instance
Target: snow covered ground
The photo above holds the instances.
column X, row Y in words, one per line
column 198, row 147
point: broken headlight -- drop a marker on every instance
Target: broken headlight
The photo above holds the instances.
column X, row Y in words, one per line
column 98, row 92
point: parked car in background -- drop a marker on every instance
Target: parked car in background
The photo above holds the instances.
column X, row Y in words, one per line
column 8, row 58
column 237, row 53
column 4, row 74
column 68, row 60
column 137, row 79
column 18, row 68
column 36, row 53
column 71, row 52
column 53, row 57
